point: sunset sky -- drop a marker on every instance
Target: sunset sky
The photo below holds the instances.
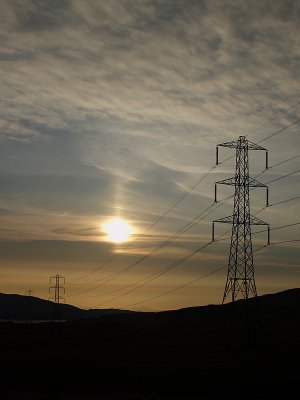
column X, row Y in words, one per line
column 114, row 108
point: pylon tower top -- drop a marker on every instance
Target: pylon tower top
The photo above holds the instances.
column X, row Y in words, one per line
column 242, row 142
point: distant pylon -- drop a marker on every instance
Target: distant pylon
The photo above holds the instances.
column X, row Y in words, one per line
column 28, row 316
column 240, row 282
column 57, row 296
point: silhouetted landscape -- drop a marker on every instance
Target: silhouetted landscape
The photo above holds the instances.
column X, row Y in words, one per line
column 18, row 308
column 180, row 354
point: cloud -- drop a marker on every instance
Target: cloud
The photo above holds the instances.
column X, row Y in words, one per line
column 18, row 131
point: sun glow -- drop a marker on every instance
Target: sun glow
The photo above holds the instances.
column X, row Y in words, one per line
column 118, row 230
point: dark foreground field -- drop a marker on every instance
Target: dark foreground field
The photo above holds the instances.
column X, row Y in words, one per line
column 179, row 354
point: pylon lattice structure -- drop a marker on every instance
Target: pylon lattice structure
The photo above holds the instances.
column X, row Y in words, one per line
column 57, row 289
column 240, row 282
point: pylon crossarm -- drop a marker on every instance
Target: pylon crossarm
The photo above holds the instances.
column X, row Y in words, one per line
column 225, row 220
column 257, row 221
column 230, row 220
column 232, row 144
column 231, row 181
column 254, row 183
column 237, row 143
column 254, row 146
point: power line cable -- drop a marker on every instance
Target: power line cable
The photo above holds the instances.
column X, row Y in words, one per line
column 285, row 241
column 198, row 181
column 275, row 133
column 167, row 269
column 163, row 271
column 156, row 221
column 201, row 277
column 137, row 282
column 274, row 118
column 284, row 201
column 179, row 287
column 278, row 227
column 188, row 226
column 160, row 246
column 182, row 230
column 283, row 176
column 186, row 284
column 170, row 239
column 267, row 122
column 261, row 231
column 154, row 275
column 295, row 122
column 282, row 162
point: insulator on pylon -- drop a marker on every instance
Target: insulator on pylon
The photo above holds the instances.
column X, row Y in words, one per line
column 217, row 155
column 267, row 161
column 267, row 204
column 216, row 193
column 213, row 232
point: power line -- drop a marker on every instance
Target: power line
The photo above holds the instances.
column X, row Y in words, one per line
column 156, row 221
column 187, row 283
column 274, row 118
column 117, row 274
column 179, row 287
column 188, row 226
column 267, row 122
column 170, row 239
column 263, row 230
column 286, row 241
column 181, row 197
column 278, row 227
column 159, row 273
column 162, row 245
column 176, row 201
column 206, row 275
column 284, row 201
column 284, row 176
column 196, row 183
column 295, row 122
column 167, row 269
column 277, row 164
column 182, row 230
column 282, row 162
column 156, row 275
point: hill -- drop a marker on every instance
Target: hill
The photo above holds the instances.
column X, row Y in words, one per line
column 18, row 308
column 178, row 354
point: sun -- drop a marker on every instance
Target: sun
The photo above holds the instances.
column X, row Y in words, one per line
column 118, row 230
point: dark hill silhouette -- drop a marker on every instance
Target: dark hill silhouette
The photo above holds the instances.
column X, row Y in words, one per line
column 14, row 307
column 177, row 354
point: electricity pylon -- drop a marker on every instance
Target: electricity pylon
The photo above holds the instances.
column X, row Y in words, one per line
column 57, row 296
column 240, row 282
column 28, row 316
